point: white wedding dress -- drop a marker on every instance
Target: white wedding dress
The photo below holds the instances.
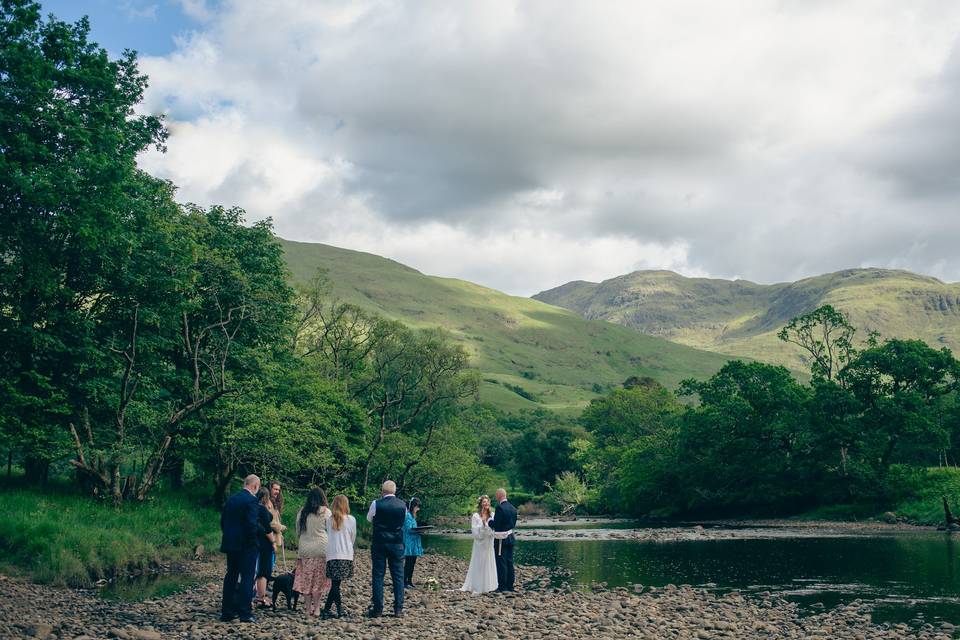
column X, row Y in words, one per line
column 482, row 574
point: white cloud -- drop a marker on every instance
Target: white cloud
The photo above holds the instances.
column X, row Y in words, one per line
column 521, row 145
column 196, row 9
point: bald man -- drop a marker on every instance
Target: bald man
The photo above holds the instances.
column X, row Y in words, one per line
column 504, row 520
column 238, row 523
column 387, row 515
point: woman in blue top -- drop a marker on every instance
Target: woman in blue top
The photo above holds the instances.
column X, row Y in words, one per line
column 412, row 547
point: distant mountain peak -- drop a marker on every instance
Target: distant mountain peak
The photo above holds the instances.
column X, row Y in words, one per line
column 740, row 317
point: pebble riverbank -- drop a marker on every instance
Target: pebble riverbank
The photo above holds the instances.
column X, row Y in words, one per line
column 437, row 610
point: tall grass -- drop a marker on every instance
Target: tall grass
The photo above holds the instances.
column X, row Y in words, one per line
column 926, row 506
column 64, row 538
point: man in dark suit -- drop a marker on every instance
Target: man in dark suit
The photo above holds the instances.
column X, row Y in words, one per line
column 238, row 523
column 504, row 520
column 387, row 515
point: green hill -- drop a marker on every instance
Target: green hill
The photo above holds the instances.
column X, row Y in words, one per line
column 742, row 318
column 551, row 354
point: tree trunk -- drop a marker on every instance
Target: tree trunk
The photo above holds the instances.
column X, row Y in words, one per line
column 173, row 469
column 221, row 485
column 951, row 521
column 36, row 470
column 9, row 463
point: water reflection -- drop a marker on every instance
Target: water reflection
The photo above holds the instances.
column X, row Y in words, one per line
column 147, row 587
column 906, row 577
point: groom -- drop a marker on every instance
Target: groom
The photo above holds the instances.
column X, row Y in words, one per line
column 505, row 519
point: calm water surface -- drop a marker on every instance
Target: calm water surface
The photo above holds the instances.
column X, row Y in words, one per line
column 906, row 577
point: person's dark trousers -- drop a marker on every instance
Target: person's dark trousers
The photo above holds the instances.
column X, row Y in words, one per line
column 333, row 597
column 241, row 565
column 381, row 556
column 505, row 574
column 408, row 566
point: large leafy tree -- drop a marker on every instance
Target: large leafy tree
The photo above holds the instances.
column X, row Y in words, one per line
column 745, row 444
column 69, row 186
column 633, row 430
column 410, row 383
column 901, row 386
column 198, row 312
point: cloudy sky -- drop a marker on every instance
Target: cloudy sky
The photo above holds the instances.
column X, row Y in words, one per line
column 522, row 144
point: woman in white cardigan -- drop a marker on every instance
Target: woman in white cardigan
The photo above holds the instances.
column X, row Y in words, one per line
column 341, row 536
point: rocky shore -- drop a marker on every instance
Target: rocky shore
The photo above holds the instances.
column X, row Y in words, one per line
column 437, row 610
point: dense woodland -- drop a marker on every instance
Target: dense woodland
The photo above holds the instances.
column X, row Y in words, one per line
column 148, row 343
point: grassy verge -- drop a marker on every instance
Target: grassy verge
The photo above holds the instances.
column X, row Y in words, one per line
column 923, row 505
column 56, row 536
column 926, row 506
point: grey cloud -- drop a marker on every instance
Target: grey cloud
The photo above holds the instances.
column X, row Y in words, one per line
column 727, row 133
column 920, row 150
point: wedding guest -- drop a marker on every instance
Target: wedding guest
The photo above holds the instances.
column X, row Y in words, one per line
column 276, row 500
column 310, row 577
column 412, row 544
column 341, row 536
column 238, row 522
column 387, row 516
column 276, row 496
column 266, row 541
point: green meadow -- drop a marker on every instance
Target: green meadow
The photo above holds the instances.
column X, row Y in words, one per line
column 530, row 354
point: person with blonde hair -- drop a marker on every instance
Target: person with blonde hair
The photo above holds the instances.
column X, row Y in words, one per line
column 341, row 536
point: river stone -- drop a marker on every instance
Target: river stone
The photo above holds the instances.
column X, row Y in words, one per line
column 40, row 630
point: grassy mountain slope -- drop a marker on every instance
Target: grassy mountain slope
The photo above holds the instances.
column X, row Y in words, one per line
column 742, row 318
column 548, row 352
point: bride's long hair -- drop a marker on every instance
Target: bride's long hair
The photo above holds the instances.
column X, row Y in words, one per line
column 480, row 507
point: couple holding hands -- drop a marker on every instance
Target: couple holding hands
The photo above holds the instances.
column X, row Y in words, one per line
column 491, row 563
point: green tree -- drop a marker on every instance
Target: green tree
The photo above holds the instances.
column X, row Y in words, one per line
column 746, row 444
column 826, row 335
column 566, row 493
column 202, row 302
column 901, row 385
column 68, row 183
column 292, row 424
column 409, row 383
column 632, row 430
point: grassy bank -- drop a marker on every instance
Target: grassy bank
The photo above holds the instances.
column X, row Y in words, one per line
column 922, row 504
column 59, row 537
column 926, row 506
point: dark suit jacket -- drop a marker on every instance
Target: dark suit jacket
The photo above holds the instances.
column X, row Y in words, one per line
column 238, row 522
column 505, row 519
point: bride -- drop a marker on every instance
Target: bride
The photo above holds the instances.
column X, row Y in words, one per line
column 482, row 575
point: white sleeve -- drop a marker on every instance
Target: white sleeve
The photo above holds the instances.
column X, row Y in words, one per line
column 476, row 527
column 372, row 511
column 353, row 530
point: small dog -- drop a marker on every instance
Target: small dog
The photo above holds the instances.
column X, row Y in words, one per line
column 284, row 584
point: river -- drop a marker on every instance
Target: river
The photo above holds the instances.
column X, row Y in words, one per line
column 905, row 576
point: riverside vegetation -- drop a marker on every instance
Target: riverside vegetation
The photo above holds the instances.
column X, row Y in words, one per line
column 152, row 352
